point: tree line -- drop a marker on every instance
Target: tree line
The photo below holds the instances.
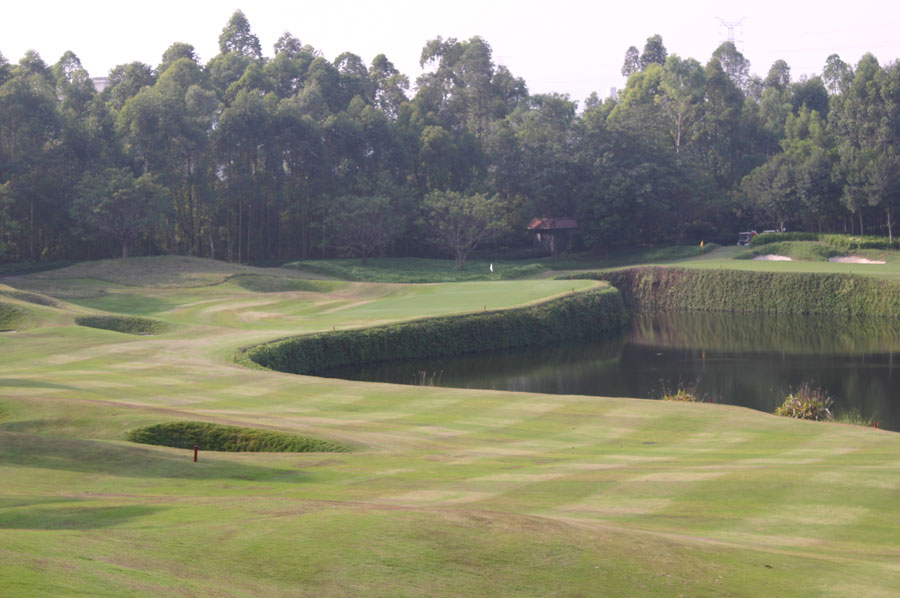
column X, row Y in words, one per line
column 252, row 158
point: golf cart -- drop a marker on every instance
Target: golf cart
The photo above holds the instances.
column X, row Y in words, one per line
column 745, row 238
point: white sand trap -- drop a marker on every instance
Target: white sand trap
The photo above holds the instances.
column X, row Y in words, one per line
column 854, row 259
column 771, row 257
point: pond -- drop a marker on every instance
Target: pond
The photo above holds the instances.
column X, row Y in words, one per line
column 749, row 360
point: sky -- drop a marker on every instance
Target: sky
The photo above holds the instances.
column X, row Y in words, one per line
column 560, row 46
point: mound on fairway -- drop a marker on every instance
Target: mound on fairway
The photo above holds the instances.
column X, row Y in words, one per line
column 259, row 283
column 163, row 272
column 125, row 324
column 32, row 298
column 232, row 439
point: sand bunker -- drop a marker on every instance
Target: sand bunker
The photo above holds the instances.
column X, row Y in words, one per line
column 854, row 259
column 773, row 258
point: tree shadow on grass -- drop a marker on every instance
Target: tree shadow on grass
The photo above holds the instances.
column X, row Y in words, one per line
column 72, row 518
column 97, row 457
column 26, row 383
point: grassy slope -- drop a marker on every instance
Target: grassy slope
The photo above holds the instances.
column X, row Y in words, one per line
column 449, row 492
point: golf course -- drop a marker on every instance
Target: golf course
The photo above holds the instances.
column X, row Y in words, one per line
column 414, row 490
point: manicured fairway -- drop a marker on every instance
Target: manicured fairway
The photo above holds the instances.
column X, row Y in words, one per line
column 447, row 492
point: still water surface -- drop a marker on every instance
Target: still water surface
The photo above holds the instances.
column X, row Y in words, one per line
column 749, row 360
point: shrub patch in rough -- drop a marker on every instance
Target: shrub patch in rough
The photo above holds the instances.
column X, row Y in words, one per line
column 125, row 324
column 31, row 298
column 13, row 317
column 233, row 439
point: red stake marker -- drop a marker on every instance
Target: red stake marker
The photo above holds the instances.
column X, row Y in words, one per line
column 874, row 424
column 196, row 448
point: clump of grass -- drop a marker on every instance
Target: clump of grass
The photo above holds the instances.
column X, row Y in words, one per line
column 514, row 272
column 855, row 417
column 216, row 437
column 807, row 403
column 684, row 393
column 280, row 284
column 423, row 379
column 124, row 324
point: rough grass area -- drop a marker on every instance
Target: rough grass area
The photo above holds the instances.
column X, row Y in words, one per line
column 124, row 324
column 160, row 272
column 630, row 256
column 419, row 270
column 31, row 298
column 13, row 317
column 260, row 283
column 30, row 267
column 231, row 439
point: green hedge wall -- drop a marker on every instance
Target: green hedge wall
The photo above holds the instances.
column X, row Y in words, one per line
column 584, row 315
column 664, row 289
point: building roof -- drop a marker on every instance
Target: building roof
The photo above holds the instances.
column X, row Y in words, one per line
column 539, row 224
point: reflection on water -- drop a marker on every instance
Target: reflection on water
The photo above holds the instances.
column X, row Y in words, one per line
column 750, row 360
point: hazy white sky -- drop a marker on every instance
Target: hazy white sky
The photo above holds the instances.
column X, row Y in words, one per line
column 563, row 46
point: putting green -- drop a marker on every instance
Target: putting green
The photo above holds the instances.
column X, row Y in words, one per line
column 447, row 492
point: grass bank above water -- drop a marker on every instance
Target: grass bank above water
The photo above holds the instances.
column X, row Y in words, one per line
column 657, row 288
column 586, row 315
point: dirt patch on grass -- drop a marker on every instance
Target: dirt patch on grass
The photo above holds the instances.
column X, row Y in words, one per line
column 770, row 257
column 854, row 259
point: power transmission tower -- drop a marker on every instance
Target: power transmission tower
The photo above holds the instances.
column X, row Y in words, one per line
column 730, row 25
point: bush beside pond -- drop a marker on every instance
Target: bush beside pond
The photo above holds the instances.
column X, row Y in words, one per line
column 587, row 315
column 657, row 288
column 216, row 437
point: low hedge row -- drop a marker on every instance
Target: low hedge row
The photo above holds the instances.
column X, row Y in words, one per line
column 579, row 316
column 664, row 289
column 125, row 324
column 837, row 242
column 216, row 437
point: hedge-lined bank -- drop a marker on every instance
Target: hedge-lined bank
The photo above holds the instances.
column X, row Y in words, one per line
column 657, row 288
column 579, row 316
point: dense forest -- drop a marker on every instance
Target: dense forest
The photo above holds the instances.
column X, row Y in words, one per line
column 253, row 159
